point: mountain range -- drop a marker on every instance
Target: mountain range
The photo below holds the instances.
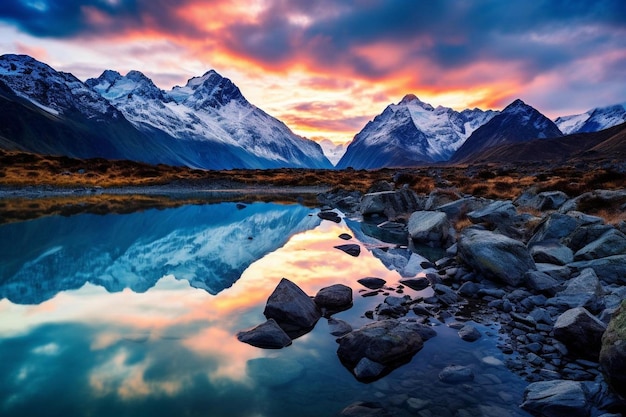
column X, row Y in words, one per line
column 205, row 124
column 209, row 124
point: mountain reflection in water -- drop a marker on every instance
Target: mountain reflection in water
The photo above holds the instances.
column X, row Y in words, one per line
column 99, row 316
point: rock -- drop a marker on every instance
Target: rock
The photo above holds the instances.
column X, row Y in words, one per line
column 391, row 204
column 585, row 235
column 350, row 248
column 494, row 255
column 429, row 227
column 457, row 209
column 445, row 294
column 439, row 197
column 469, row 333
column 293, row 310
column 455, row 374
column 263, row 370
column 365, row 409
column 613, row 352
column 469, row 289
column 268, row 335
column 596, row 198
column 389, row 342
column 416, row 284
column 551, row 252
column 610, row 270
column 367, row 369
column 338, row 327
column 612, row 242
column 497, row 212
column 372, row 283
column 541, row 282
column 345, row 236
column 580, row 332
column 335, row 298
column 329, row 215
column 582, row 291
column 556, row 398
column 548, row 200
column 554, row 228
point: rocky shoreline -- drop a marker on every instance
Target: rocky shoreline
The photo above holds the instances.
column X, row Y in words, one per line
column 550, row 276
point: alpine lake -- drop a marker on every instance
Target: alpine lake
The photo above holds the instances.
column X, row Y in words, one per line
column 137, row 315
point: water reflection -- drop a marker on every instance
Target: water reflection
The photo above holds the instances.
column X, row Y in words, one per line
column 209, row 246
column 172, row 350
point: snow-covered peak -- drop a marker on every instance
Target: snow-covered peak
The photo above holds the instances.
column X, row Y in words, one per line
column 50, row 90
column 112, row 86
column 413, row 101
column 210, row 90
column 518, row 106
column 593, row 120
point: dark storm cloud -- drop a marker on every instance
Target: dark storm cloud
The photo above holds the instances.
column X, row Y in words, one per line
column 71, row 18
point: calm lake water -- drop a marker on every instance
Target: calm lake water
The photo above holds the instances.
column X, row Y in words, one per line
column 136, row 315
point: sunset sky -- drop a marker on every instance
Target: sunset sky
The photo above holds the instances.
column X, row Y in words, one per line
column 327, row 67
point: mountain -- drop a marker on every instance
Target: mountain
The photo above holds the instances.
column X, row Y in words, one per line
column 605, row 144
column 209, row 246
column 205, row 124
column 411, row 133
column 210, row 114
column 517, row 123
column 332, row 151
column 593, row 120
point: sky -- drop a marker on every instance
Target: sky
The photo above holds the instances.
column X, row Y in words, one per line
column 326, row 68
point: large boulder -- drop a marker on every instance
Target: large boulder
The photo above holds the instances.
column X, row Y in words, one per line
column 498, row 212
column 556, row 398
column 580, row 332
column 610, row 270
column 268, row 335
column 457, row 209
column 613, row 352
column 293, row 310
column 381, row 346
column 429, row 227
column 495, row 255
column 556, row 226
column 391, row 204
column 595, row 199
column 552, row 253
column 547, row 200
column 584, row 290
column 612, row 242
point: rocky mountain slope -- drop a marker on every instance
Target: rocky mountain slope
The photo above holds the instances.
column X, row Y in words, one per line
column 593, row 120
column 517, row 123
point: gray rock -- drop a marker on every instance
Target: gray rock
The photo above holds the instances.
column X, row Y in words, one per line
column 496, row 212
column 292, row 309
column 445, row 294
column 350, row 248
column 338, row 327
column 388, row 342
column 268, row 335
column 549, row 200
column 582, row 291
column 580, row 332
column 335, row 298
column 429, row 227
column 367, row 369
column 439, row 197
column 613, row 352
column 597, row 198
column 552, row 252
column 541, row 282
column 457, row 209
column 391, row 204
column 329, row 215
column 469, row 289
column 469, row 333
column 584, row 235
column 610, row 270
column 372, row 283
column 556, row 398
column 495, row 255
column 554, row 228
column 455, row 374
column 612, row 242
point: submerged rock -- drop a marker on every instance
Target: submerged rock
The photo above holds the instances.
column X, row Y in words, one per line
column 389, row 343
column 292, row 309
column 273, row 371
column 455, row 374
column 365, row 409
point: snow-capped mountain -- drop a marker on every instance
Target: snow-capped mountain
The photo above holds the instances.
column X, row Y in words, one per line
column 517, row 123
column 205, row 124
column 210, row 110
column 593, row 120
column 332, row 151
column 411, row 133
column 209, row 246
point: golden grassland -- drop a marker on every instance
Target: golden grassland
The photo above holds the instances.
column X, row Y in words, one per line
column 497, row 181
